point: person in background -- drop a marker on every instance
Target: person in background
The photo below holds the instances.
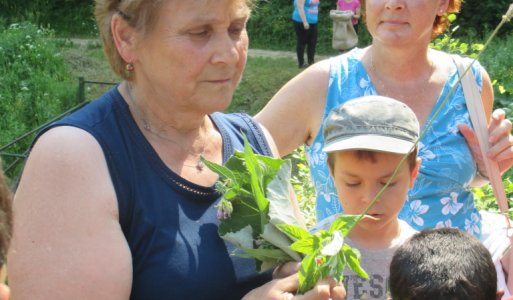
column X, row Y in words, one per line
column 5, row 231
column 366, row 140
column 443, row 264
column 115, row 201
column 351, row 5
column 305, row 18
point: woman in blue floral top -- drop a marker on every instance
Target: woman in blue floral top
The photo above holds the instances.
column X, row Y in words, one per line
column 399, row 64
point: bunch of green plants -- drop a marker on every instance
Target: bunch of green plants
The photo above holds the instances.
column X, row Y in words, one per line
column 35, row 85
column 256, row 215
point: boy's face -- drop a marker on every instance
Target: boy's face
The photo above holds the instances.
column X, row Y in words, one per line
column 359, row 179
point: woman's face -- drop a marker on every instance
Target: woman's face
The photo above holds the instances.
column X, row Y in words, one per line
column 402, row 22
column 195, row 55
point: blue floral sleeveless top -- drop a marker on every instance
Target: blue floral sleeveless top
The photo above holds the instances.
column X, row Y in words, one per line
column 441, row 196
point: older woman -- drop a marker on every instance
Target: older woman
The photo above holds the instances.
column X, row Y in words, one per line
column 114, row 202
column 398, row 64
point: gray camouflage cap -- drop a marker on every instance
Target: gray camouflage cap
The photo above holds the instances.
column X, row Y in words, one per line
column 374, row 123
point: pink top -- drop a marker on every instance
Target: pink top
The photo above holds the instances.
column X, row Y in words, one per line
column 352, row 6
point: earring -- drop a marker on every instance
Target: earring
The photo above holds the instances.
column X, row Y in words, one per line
column 129, row 67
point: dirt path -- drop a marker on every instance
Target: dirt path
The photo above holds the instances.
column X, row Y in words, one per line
column 251, row 52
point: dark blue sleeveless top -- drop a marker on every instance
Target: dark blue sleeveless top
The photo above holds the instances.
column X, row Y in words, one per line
column 170, row 223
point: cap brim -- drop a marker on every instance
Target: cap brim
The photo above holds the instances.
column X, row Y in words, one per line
column 370, row 142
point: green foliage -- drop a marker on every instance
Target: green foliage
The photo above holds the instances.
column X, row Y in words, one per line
column 256, row 215
column 485, row 199
column 68, row 17
column 479, row 17
column 498, row 63
column 303, row 186
column 34, row 82
column 496, row 59
column 326, row 255
column 256, row 198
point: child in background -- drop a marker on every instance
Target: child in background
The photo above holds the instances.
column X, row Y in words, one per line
column 366, row 138
column 443, row 264
column 351, row 5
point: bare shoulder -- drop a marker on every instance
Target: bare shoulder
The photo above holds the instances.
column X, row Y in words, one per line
column 66, row 227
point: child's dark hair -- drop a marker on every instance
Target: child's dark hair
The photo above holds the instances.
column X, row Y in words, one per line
column 442, row 264
column 5, row 216
column 371, row 155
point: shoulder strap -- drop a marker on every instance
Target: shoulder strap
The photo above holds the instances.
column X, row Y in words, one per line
column 478, row 118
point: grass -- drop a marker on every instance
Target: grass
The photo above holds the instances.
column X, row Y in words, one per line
column 262, row 78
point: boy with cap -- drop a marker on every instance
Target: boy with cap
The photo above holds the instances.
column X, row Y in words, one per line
column 366, row 139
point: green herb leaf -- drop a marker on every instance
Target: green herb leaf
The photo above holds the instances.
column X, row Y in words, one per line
column 280, row 240
column 344, row 223
column 294, row 232
column 308, row 274
column 306, row 245
column 353, row 257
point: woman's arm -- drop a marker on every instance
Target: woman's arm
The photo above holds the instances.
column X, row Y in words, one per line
column 301, row 11
column 294, row 115
column 67, row 241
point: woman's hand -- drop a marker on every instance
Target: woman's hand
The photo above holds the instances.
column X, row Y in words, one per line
column 284, row 289
column 500, row 138
column 286, row 270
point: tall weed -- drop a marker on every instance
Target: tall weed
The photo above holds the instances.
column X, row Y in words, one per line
column 35, row 85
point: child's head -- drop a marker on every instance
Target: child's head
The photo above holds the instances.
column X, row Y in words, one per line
column 365, row 139
column 443, row 264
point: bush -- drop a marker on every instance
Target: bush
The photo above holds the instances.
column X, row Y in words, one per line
column 35, row 85
column 68, row 17
column 479, row 17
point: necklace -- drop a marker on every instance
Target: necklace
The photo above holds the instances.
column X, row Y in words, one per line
column 383, row 86
column 198, row 165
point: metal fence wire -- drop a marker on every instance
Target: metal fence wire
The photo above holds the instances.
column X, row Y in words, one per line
column 18, row 158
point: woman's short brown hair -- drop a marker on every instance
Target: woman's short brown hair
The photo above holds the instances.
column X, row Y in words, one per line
column 441, row 23
column 140, row 14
